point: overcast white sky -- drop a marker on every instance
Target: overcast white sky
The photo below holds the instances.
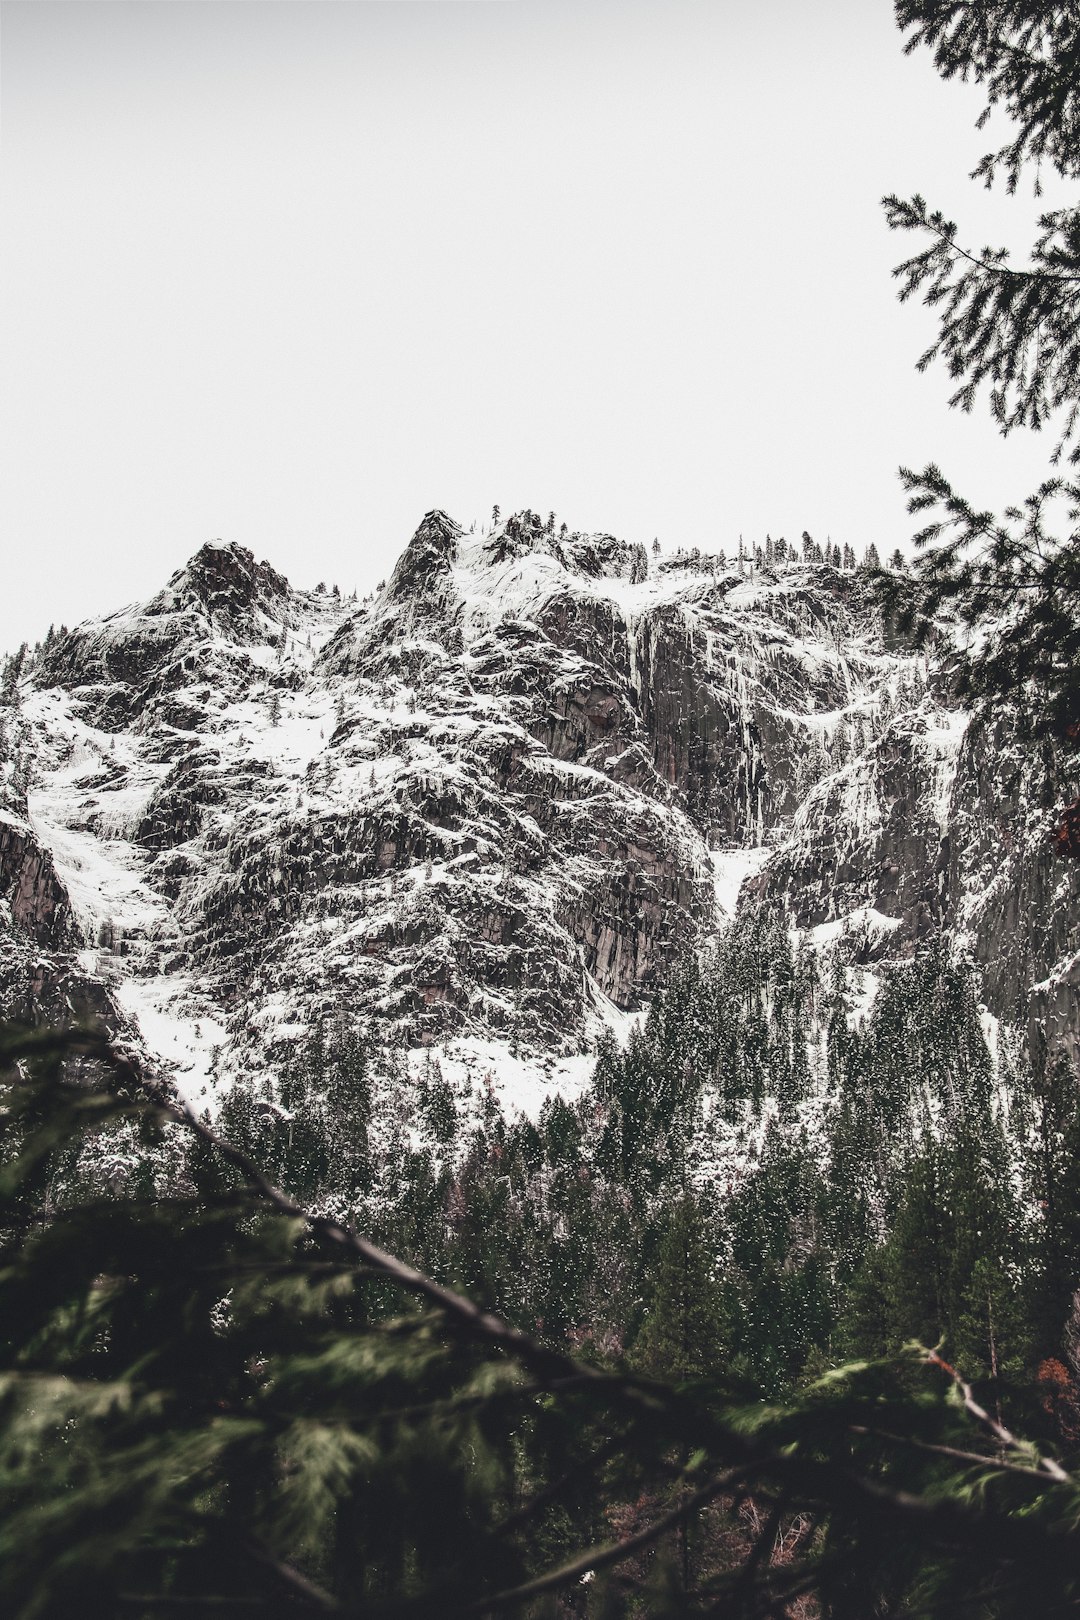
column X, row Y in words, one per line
column 292, row 274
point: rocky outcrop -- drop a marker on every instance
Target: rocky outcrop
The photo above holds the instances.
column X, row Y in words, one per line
column 197, row 630
column 33, row 899
column 1013, row 903
column 41, row 980
column 872, row 836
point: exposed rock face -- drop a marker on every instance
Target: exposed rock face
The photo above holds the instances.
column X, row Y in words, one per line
column 872, row 836
column 34, row 901
column 498, row 797
column 1013, row 902
column 40, row 982
column 138, row 659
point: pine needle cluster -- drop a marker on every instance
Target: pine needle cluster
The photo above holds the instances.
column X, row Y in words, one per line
column 1013, row 332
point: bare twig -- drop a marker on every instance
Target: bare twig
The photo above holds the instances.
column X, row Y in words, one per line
column 1043, row 1465
column 999, row 1464
column 615, row 1552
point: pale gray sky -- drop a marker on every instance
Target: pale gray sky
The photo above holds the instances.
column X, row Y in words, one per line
column 291, row 274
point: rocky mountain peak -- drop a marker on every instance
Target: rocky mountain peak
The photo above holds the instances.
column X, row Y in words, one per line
column 592, row 556
column 428, row 556
column 226, row 583
column 208, row 628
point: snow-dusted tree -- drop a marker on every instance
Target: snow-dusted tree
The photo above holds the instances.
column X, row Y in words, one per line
column 13, row 669
column 639, row 565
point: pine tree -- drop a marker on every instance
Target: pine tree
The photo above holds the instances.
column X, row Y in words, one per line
column 1011, row 333
column 639, row 565
column 681, row 1333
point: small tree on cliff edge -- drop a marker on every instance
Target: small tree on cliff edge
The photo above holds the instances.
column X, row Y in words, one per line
column 1012, row 333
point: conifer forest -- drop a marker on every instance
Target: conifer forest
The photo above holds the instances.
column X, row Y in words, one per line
column 551, row 1088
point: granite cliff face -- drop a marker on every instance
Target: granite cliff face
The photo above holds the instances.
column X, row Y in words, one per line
column 490, row 804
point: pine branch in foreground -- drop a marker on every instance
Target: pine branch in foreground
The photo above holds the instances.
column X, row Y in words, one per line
column 214, row 1400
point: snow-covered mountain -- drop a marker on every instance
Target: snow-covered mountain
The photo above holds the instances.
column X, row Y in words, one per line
column 482, row 810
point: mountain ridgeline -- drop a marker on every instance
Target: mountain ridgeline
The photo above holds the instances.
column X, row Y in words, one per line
column 493, row 804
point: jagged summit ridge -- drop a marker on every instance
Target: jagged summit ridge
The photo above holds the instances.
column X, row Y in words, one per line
column 213, row 625
column 227, row 584
column 489, row 804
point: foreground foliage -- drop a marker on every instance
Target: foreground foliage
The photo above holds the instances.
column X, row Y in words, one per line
column 1010, row 332
column 211, row 1399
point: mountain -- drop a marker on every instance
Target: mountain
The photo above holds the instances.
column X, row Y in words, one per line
column 482, row 812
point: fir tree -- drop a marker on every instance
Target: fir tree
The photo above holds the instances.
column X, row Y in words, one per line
column 680, row 1336
column 1012, row 333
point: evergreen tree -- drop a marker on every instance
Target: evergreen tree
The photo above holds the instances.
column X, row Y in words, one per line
column 1053, row 1117
column 1013, row 333
column 680, row 1336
